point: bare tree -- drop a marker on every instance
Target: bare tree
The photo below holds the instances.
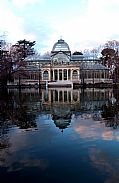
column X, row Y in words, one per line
column 5, row 65
column 110, row 58
column 12, row 62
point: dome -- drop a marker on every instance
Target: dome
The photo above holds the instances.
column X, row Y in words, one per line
column 61, row 116
column 62, row 123
column 60, row 45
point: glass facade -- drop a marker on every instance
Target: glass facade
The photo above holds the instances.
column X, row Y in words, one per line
column 60, row 58
column 60, row 68
column 61, row 45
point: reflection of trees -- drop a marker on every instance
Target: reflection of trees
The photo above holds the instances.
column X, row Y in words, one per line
column 14, row 110
column 5, row 111
column 23, row 119
column 4, row 147
column 22, row 116
column 110, row 115
column 109, row 111
column 93, row 99
column 112, row 122
column 4, row 124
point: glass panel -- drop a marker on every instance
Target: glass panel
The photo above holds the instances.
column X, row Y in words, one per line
column 51, row 95
column 60, row 74
column 51, row 75
column 69, row 96
column 60, row 58
column 75, row 75
column 60, row 96
column 46, row 98
column 45, row 75
column 55, row 75
column 75, row 96
column 56, row 95
column 69, row 74
column 65, row 74
column 65, row 96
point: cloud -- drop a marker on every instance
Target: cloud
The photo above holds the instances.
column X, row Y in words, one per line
column 83, row 25
column 102, row 160
column 23, row 3
column 92, row 130
column 16, row 26
column 96, row 25
column 13, row 24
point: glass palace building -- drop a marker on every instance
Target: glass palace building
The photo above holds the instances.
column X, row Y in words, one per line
column 61, row 68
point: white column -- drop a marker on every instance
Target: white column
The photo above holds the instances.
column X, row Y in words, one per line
column 58, row 74
column 72, row 96
column 58, row 95
column 78, row 75
column 48, row 75
column 62, row 74
column 49, row 95
column 42, row 75
column 53, row 74
column 71, row 74
column 63, row 96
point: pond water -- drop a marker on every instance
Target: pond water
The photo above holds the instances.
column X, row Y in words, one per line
column 59, row 136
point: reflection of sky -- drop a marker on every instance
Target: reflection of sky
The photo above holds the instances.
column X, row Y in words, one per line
column 106, row 162
column 25, row 145
column 85, row 146
column 104, row 152
column 93, row 130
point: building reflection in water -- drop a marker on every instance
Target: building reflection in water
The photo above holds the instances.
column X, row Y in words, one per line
column 63, row 103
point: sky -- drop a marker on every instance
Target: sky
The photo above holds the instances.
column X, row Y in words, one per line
column 83, row 24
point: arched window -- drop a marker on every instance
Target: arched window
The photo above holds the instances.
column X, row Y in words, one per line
column 60, row 58
column 75, row 74
column 45, row 75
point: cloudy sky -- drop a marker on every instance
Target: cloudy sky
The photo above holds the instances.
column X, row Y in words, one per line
column 83, row 24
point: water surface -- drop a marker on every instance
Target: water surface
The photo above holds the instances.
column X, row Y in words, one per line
column 59, row 136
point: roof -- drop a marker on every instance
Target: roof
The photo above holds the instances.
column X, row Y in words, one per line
column 77, row 57
column 92, row 66
column 35, row 58
column 60, row 45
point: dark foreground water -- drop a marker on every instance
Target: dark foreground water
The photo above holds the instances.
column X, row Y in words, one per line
column 59, row 136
